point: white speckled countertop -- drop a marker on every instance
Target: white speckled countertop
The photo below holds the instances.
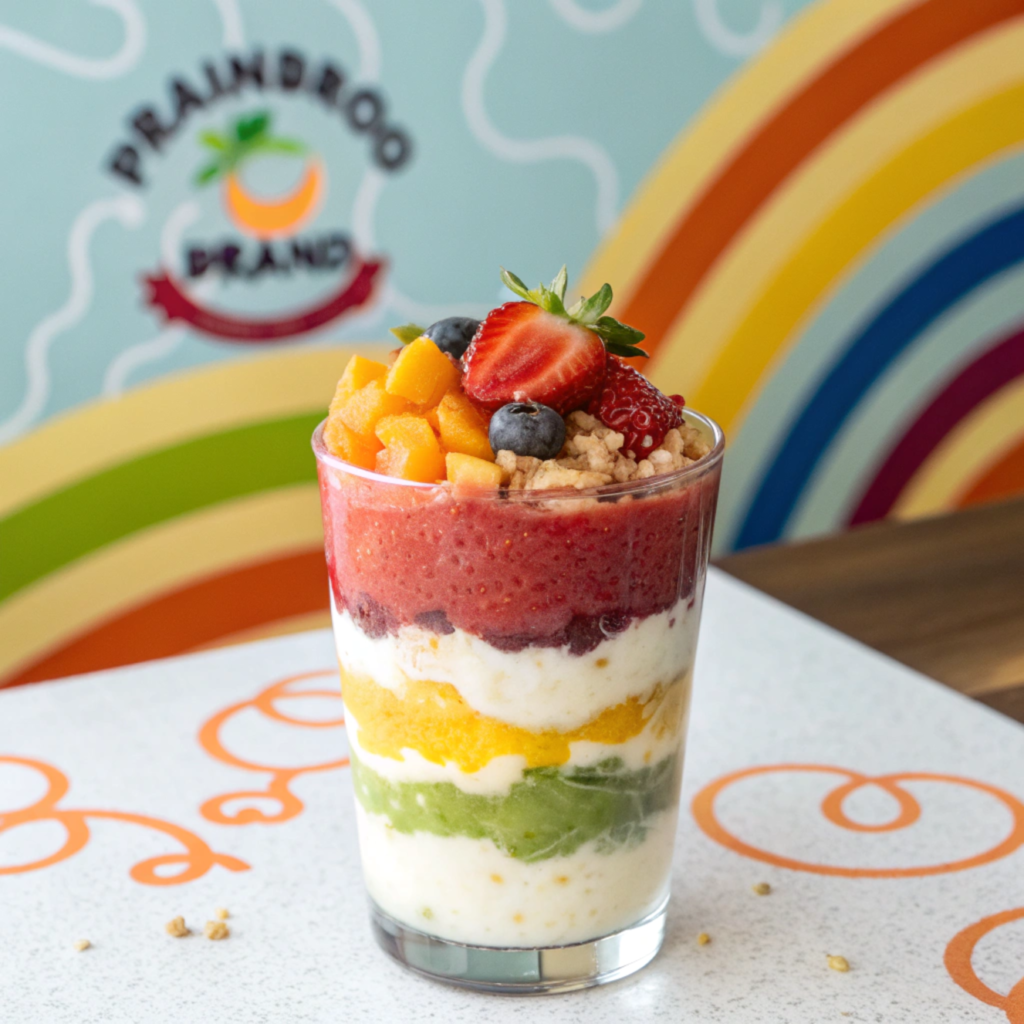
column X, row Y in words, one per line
column 918, row 886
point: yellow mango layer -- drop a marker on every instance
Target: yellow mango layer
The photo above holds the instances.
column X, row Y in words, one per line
column 434, row 720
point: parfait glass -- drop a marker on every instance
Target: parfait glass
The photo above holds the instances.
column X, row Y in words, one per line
column 516, row 669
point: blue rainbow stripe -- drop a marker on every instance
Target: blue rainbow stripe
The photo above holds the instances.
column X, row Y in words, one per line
column 993, row 249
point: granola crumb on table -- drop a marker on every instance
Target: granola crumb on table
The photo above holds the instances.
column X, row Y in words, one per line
column 177, row 927
column 216, row 930
column 82, row 944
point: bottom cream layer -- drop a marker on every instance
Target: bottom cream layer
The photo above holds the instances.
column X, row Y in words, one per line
column 467, row 890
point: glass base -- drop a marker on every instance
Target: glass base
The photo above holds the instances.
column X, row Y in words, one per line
column 523, row 971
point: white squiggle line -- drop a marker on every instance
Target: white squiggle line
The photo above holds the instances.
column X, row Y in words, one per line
column 563, row 147
column 231, row 17
column 85, row 67
column 115, row 380
column 596, row 21
column 365, row 32
column 738, row 44
column 130, row 211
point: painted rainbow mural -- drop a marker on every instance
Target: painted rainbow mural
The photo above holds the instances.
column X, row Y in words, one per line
column 182, row 515
column 829, row 262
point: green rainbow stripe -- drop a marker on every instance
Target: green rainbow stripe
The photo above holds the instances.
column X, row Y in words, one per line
column 550, row 813
column 84, row 517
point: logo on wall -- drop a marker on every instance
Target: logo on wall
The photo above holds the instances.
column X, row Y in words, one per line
column 278, row 233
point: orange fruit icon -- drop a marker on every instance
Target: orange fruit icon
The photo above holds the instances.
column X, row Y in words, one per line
column 260, row 216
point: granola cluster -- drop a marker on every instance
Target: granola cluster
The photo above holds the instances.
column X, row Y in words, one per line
column 593, row 457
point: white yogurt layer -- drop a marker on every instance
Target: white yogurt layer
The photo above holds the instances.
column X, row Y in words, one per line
column 536, row 688
column 498, row 775
column 469, row 891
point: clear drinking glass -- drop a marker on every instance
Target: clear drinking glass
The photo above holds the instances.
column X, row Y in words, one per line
column 516, row 671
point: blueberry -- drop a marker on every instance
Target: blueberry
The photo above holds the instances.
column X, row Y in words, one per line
column 527, row 428
column 453, row 335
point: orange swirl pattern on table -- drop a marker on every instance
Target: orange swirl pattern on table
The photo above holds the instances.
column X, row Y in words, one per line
column 278, row 788
column 195, row 862
column 703, row 808
column 959, row 963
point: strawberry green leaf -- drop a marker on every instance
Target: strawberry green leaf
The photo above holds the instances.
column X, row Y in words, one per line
column 592, row 309
column 619, row 339
column 610, row 328
column 514, row 285
column 560, row 281
column 549, row 301
column 407, row 332
column 626, row 351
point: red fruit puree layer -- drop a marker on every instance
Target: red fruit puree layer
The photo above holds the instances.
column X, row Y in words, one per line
column 515, row 573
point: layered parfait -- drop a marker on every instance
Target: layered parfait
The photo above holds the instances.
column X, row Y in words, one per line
column 517, row 525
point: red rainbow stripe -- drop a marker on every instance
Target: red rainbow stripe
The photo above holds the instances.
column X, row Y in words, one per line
column 899, row 47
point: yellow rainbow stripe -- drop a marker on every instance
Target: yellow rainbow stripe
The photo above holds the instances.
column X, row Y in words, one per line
column 767, row 332
column 787, row 222
column 85, row 441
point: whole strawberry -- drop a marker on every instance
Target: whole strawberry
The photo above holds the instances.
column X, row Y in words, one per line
column 539, row 351
column 630, row 404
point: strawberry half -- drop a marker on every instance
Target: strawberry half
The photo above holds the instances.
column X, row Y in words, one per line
column 539, row 351
column 522, row 353
column 630, row 404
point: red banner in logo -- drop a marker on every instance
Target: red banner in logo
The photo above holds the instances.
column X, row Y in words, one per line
column 165, row 294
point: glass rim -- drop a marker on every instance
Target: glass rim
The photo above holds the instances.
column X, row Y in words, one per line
column 662, row 480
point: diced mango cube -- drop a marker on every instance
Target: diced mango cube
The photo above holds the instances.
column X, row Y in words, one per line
column 462, row 428
column 430, row 415
column 411, row 449
column 364, row 408
column 467, row 472
column 359, row 449
column 358, row 373
column 422, row 373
